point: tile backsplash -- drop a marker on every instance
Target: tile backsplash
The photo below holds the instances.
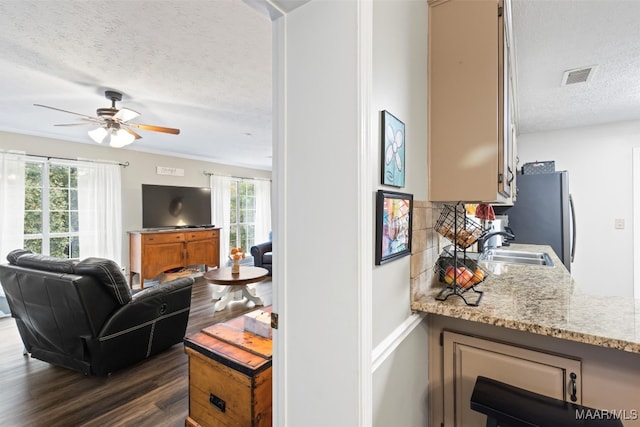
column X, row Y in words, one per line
column 424, row 246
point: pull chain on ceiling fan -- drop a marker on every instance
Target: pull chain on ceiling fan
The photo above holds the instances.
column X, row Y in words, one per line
column 114, row 125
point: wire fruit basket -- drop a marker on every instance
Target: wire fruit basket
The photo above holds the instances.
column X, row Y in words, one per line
column 455, row 226
column 454, row 267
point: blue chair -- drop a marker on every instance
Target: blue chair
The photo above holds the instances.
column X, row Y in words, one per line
column 262, row 255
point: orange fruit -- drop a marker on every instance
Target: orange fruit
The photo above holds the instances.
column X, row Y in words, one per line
column 478, row 276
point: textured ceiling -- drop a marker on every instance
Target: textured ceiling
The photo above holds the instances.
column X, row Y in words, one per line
column 552, row 36
column 204, row 66
column 199, row 65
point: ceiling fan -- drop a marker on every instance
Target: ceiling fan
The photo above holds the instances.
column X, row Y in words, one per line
column 114, row 124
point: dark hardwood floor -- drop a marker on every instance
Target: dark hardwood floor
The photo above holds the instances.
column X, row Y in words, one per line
column 151, row 393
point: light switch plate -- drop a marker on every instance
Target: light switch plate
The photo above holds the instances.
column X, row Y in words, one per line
column 619, row 223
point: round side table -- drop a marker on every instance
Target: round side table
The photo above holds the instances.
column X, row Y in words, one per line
column 247, row 275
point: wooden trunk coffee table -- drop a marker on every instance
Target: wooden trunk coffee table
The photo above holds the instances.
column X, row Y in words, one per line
column 247, row 275
column 230, row 377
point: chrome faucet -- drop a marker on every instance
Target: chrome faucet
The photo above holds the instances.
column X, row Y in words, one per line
column 483, row 240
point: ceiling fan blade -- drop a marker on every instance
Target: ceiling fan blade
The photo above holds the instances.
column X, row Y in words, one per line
column 155, row 128
column 77, row 124
column 65, row 111
column 131, row 131
column 125, row 114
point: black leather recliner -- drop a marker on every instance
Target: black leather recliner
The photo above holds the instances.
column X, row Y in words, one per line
column 82, row 316
column 262, row 255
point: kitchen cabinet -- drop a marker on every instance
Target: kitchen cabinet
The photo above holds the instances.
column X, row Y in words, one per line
column 510, row 159
column 606, row 379
column 465, row 357
column 470, row 146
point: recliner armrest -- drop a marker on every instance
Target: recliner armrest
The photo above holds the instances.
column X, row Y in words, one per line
column 164, row 288
column 163, row 300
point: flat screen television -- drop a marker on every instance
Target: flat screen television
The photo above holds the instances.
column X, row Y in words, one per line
column 166, row 206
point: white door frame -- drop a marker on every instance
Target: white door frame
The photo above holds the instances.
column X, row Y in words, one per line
column 636, row 221
column 280, row 201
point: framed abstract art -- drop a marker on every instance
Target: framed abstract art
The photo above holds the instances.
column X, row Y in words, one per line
column 394, row 216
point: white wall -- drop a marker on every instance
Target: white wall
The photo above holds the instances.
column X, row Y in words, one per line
column 400, row 397
column 400, row 87
column 330, row 308
column 141, row 170
column 317, row 233
column 599, row 161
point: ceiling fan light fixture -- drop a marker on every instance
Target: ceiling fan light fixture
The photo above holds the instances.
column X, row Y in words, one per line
column 120, row 138
column 110, row 119
column 98, row 135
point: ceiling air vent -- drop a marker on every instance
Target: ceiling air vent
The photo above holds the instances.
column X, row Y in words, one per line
column 579, row 75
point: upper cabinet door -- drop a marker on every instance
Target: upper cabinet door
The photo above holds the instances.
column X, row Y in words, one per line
column 469, row 151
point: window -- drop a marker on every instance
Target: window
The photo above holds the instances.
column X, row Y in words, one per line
column 243, row 215
column 51, row 209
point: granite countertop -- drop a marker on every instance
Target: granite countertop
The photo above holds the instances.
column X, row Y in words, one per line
column 546, row 301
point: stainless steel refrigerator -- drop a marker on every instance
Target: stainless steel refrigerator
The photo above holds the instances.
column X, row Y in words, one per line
column 543, row 213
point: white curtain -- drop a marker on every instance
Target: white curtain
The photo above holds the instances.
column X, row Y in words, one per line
column 11, row 209
column 11, row 203
column 221, row 211
column 263, row 210
column 100, row 210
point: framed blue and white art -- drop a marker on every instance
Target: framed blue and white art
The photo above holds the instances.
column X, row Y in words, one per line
column 393, row 147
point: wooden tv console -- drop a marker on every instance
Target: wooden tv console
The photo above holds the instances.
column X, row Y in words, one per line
column 154, row 252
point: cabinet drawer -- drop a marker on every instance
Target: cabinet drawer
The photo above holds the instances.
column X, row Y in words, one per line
column 163, row 238
column 201, row 235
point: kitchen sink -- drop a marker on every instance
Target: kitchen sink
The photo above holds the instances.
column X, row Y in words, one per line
column 516, row 257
